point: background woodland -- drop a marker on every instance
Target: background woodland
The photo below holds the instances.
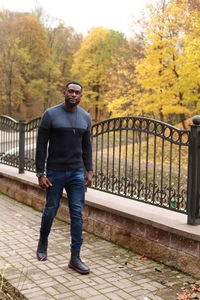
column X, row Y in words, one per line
column 155, row 73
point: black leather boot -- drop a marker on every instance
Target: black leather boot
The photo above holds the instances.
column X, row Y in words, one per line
column 42, row 249
column 76, row 263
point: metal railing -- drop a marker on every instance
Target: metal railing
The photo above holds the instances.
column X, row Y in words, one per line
column 18, row 143
column 134, row 157
column 142, row 159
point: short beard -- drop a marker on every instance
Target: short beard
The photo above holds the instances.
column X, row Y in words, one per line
column 71, row 104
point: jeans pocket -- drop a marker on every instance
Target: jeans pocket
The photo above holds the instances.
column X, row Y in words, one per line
column 50, row 175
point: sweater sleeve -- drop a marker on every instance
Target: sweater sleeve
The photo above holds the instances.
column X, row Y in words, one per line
column 87, row 148
column 42, row 142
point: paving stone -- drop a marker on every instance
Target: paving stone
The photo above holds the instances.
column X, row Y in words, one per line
column 103, row 286
column 88, row 281
column 74, row 281
column 116, row 273
column 98, row 297
column 100, row 280
column 50, row 290
column 29, row 290
column 123, row 284
column 86, row 293
column 141, row 292
column 154, row 297
column 108, row 289
column 61, row 279
column 47, row 284
column 78, row 287
column 64, row 296
column 114, row 296
column 149, row 287
column 133, row 288
column 123, row 294
column 39, row 297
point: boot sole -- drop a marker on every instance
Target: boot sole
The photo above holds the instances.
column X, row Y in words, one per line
column 78, row 270
column 41, row 259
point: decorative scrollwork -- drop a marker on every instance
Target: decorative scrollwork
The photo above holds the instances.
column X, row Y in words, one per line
column 8, row 124
column 33, row 124
column 141, row 124
column 29, row 164
column 151, row 193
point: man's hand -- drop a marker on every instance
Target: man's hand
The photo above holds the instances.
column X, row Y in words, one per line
column 44, row 182
column 88, row 178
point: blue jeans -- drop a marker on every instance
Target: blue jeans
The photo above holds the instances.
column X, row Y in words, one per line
column 73, row 182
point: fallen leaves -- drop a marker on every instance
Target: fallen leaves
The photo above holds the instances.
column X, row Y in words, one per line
column 193, row 293
column 142, row 257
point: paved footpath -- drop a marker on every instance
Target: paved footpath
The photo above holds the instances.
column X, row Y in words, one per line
column 116, row 273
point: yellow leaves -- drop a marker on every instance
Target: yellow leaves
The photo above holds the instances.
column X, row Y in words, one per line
column 93, row 63
column 170, row 70
column 175, row 109
column 32, row 35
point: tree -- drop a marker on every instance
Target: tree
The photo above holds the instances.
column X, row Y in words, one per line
column 190, row 73
column 33, row 38
column 12, row 59
column 35, row 63
column 162, row 71
column 123, row 88
column 91, row 66
column 63, row 43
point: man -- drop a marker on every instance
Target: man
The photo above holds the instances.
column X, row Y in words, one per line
column 65, row 128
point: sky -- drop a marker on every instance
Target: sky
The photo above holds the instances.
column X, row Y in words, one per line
column 83, row 15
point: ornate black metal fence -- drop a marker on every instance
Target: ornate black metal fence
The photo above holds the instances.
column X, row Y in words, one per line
column 134, row 157
column 18, row 143
column 142, row 159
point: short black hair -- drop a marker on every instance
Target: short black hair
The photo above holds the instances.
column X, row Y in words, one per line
column 73, row 82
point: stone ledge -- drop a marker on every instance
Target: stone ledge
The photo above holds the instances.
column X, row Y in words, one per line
column 158, row 233
column 158, row 217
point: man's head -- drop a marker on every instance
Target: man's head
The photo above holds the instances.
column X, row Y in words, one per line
column 72, row 93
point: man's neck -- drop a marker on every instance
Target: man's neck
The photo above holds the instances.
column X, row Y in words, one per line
column 70, row 108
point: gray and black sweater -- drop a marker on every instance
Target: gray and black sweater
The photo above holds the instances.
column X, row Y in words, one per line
column 67, row 135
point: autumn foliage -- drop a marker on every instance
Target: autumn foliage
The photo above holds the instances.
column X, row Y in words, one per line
column 155, row 73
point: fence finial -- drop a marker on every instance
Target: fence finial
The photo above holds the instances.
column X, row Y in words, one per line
column 196, row 120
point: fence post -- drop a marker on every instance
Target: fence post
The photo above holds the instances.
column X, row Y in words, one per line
column 21, row 146
column 193, row 203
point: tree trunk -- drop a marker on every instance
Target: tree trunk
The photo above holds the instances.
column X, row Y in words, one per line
column 10, row 93
column 161, row 115
column 183, row 118
column 96, row 113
